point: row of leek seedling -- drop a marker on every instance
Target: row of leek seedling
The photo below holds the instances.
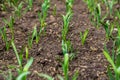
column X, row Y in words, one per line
column 66, row 45
column 17, row 5
column 22, row 70
column 101, row 19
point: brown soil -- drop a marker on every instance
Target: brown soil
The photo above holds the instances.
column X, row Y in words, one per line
column 89, row 59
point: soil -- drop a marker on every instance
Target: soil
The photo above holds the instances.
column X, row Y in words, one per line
column 89, row 59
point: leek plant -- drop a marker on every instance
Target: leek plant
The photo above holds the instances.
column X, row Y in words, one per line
column 4, row 37
column 91, row 5
column 66, row 69
column 65, row 66
column 10, row 76
column 10, row 24
column 3, row 7
column 96, row 12
column 109, row 5
column 17, row 55
column 66, row 20
column 30, row 4
column 42, row 16
column 114, row 70
column 69, row 5
column 12, row 2
column 54, row 10
column 4, row 4
column 83, row 36
column 118, row 14
column 108, row 29
column 18, row 9
column 22, row 70
column 9, row 3
column 66, row 46
column 97, row 15
column 34, row 36
column 15, row 2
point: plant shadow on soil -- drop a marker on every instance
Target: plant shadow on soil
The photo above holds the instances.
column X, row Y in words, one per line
column 89, row 59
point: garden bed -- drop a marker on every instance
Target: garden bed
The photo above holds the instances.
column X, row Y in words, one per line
column 48, row 57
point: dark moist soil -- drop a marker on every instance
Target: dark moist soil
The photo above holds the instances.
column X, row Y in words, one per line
column 89, row 59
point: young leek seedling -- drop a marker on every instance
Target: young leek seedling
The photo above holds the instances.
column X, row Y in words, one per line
column 26, row 67
column 4, row 37
column 34, row 36
column 30, row 4
column 15, row 2
column 114, row 66
column 66, row 47
column 65, row 66
column 109, row 5
column 55, row 10
column 118, row 14
column 66, row 20
column 97, row 15
column 18, row 9
column 3, row 7
column 17, row 55
column 108, row 29
column 22, row 75
column 91, row 5
column 23, row 70
column 69, row 5
column 42, row 16
column 10, row 24
column 83, row 36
